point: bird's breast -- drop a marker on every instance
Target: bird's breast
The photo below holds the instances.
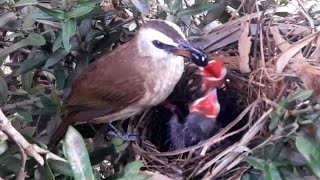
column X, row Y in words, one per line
column 162, row 79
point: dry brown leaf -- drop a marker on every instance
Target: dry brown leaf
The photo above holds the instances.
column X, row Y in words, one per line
column 308, row 74
column 244, row 47
column 293, row 50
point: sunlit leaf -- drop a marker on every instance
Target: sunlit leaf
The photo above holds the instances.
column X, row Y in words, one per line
column 195, row 9
column 3, row 91
column 76, row 152
column 53, row 12
column 141, row 5
column 311, row 151
column 79, row 11
column 55, row 57
column 68, row 30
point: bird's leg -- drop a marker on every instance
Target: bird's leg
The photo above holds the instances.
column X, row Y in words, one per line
column 127, row 137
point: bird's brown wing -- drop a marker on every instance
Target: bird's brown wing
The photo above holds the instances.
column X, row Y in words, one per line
column 111, row 83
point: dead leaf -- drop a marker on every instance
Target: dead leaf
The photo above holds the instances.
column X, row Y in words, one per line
column 244, row 46
column 308, row 74
column 293, row 50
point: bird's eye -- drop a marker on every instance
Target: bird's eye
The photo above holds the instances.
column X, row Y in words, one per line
column 159, row 44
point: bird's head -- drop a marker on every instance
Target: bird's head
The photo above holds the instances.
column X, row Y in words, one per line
column 161, row 39
column 207, row 105
column 213, row 74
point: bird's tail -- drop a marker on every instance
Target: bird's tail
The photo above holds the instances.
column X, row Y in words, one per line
column 60, row 131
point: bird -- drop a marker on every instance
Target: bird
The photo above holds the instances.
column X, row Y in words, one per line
column 133, row 77
column 198, row 125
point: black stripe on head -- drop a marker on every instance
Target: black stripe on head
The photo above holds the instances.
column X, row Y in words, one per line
column 166, row 29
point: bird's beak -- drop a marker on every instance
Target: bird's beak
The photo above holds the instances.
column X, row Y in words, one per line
column 207, row 105
column 197, row 55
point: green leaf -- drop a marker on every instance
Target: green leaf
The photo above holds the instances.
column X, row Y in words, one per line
column 6, row 17
column 133, row 168
column 44, row 172
column 141, row 5
column 311, row 151
column 35, row 58
column 255, row 162
column 76, row 152
column 195, row 9
column 3, row 91
column 55, row 57
column 173, row 5
column 60, row 167
column 35, row 39
column 23, row 115
column 275, row 119
column 61, row 76
column 271, row 152
column 3, row 146
column 79, row 11
column 26, row 80
column 271, row 172
column 53, row 12
column 58, row 42
column 26, row 3
column 68, row 30
column 301, row 95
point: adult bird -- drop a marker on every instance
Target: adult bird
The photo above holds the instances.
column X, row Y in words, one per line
column 135, row 76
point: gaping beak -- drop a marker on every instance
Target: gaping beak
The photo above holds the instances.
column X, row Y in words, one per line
column 213, row 75
column 208, row 105
column 198, row 56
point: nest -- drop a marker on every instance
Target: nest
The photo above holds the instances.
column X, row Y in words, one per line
column 268, row 58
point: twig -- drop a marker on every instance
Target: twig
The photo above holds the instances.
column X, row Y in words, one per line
column 20, row 104
column 22, row 174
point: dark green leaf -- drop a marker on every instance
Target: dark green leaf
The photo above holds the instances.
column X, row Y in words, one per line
column 61, row 76
column 275, row 119
column 60, row 167
column 28, row 131
column 53, row 12
column 56, row 57
column 35, row 39
column 3, row 146
column 35, row 58
column 141, row 5
column 271, row 152
column 37, row 90
column 301, row 96
column 49, row 106
column 44, row 172
column 26, row 80
column 195, row 9
column 6, row 17
column 3, row 91
column 23, row 115
column 58, row 42
column 311, row 151
column 79, row 11
column 85, row 27
column 271, row 172
column 76, row 152
column 68, row 30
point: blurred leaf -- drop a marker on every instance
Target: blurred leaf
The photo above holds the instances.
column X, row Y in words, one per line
column 131, row 171
column 26, row 3
column 61, row 77
column 79, row 11
column 56, row 57
column 195, row 9
column 50, row 107
column 85, row 27
column 60, row 167
column 35, row 58
column 173, row 5
column 26, row 80
column 98, row 155
column 275, row 119
column 53, row 12
column 43, row 15
column 255, row 162
column 13, row 35
column 44, row 172
column 23, row 115
column 28, row 131
column 35, row 39
column 141, row 5
column 272, row 152
column 301, row 95
column 314, row 9
column 3, row 91
column 4, row 18
column 311, row 151
column 3, row 146
column 68, row 30
column 271, row 172
column 76, row 152
column 58, row 42
column 37, row 90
